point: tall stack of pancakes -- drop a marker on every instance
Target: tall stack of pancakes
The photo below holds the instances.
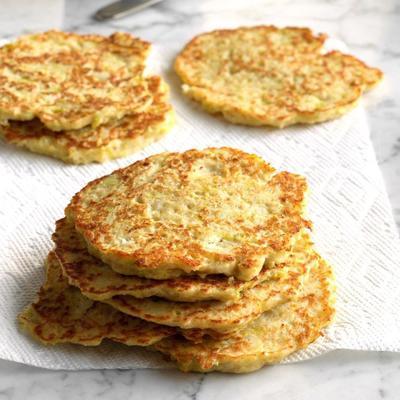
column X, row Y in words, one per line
column 81, row 98
column 204, row 256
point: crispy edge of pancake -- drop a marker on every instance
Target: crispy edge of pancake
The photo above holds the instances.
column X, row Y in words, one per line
column 98, row 281
column 268, row 340
column 223, row 317
column 216, row 102
column 60, row 314
column 241, row 117
column 146, row 128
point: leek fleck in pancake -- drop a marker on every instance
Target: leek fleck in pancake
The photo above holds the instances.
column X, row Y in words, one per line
column 98, row 281
column 276, row 334
column 212, row 211
column 265, row 75
column 105, row 142
column 69, row 81
column 62, row 315
column 224, row 317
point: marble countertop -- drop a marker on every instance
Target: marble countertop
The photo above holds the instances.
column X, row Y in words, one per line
column 371, row 29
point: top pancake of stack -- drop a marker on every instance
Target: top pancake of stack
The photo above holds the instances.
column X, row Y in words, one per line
column 69, row 81
column 215, row 211
column 81, row 98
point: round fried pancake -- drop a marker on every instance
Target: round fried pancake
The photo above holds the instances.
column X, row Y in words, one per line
column 222, row 317
column 98, row 281
column 212, row 211
column 276, row 334
column 265, row 75
column 62, row 315
column 69, row 81
column 105, row 142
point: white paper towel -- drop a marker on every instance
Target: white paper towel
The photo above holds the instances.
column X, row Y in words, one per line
column 353, row 228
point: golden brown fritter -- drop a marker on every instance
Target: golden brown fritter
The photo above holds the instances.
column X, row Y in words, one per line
column 265, row 75
column 212, row 211
column 69, row 81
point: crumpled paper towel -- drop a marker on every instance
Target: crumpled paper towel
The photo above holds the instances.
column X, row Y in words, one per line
column 353, row 228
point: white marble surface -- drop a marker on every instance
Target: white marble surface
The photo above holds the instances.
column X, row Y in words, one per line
column 372, row 31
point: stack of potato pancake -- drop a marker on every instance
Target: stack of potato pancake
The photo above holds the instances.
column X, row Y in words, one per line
column 203, row 255
column 81, row 98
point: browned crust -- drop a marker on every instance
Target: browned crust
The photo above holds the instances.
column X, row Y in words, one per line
column 120, row 44
column 129, row 127
column 216, row 100
column 180, row 60
column 180, row 251
column 61, row 314
column 98, row 281
column 288, row 328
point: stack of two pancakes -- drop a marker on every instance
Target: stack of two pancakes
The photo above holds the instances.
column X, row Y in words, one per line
column 204, row 256
column 81, row 98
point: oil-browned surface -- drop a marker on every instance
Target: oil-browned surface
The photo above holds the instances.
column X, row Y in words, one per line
column 98, row 281
column 276, row 334
column 61, row 314
column 212, row 211
column 224, row 317
column 265, row 75
column 111, row 140
column 68, row 81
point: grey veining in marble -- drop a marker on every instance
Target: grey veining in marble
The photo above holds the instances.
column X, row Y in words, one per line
column 371, row 29
column 338, row 375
